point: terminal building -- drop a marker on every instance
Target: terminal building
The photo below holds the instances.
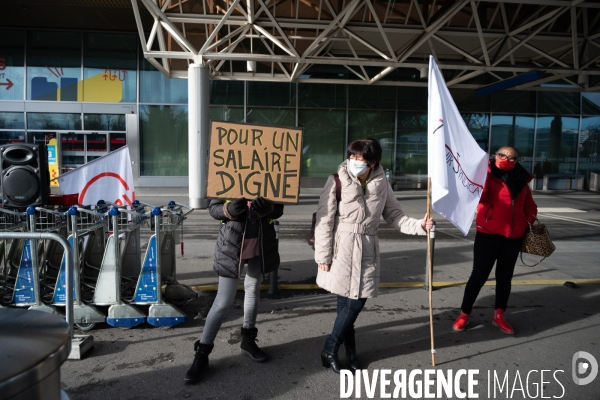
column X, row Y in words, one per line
column 98, row 74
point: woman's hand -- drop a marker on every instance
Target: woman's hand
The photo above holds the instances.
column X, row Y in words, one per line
column 427, row 224
column 324, row 267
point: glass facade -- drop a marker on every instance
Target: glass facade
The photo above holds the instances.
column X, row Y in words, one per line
column 275, row 94
column 156, row 88
column 10, row 137
column 109, row 68
column 517, row 131
column 329, row 96
column 324, row 141
column 53, row 66
column 556, row 144
column 54, row 121
column 589, row 146
column 104, row 122
column 12, row 120
column 555, row 131
column 163, row 140
column 411, row 149
column 377, row 125
column 12, row 65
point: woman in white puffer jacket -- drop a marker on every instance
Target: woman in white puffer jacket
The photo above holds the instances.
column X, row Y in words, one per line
column 346, row 242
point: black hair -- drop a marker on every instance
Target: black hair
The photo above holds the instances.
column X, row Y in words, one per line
column 369, row 149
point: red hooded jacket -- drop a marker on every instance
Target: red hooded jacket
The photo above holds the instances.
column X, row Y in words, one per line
column 499, row 214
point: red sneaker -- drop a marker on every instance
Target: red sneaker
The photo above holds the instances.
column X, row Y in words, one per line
column 501, row 323
column 461, row 322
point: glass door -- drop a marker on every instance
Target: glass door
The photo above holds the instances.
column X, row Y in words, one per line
column 78, row 148
column 72, row 151
column 96, row 145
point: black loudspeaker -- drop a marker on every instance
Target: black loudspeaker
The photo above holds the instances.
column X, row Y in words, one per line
column 24, row 175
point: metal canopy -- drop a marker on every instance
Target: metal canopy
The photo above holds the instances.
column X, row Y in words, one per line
column 373, row 42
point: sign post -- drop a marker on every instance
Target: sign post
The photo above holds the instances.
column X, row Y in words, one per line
column 252, row 160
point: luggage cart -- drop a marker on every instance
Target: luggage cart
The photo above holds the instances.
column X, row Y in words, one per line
column 83, row 223
column 161, row 246
column 130, row 222
column 10, row 221
column 92, row 226
column 26, row 290
column 110, row 283
column 50, row 253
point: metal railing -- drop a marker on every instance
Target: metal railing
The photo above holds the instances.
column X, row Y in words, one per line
column 69, row 270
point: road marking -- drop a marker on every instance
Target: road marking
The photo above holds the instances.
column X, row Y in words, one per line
column 293, row 286
column 559, row 210
column 570, row 219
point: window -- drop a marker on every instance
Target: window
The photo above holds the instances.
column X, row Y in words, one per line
column 323, row 139
column 109, row 68
column 9, row 120
column 556, row 144
column 517, row 131
column 12, row 61
column 227, row 92
column 163, row 140
column 155, row 87
column 104, row 122
column 411, row 150
column 54, row 121
column 321, row 95
column 54, row 66
column 275, row 94
column 589, row 145
column 377, row 125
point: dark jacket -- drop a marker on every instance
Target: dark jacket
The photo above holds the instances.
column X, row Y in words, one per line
column 231, row 236
column 501, row 212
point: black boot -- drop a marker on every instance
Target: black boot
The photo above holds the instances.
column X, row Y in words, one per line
column 200, row 363
column 331, row 360
column 249, row 347
column 351, row 360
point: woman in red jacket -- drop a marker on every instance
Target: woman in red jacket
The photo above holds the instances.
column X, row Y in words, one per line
column 505, row 208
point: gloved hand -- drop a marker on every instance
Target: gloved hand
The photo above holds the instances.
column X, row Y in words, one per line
column 262, row 206
column 237, row 207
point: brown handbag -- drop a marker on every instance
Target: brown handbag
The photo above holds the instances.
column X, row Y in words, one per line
column 537, row 242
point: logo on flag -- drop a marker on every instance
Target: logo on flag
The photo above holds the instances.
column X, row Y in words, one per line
column 457, row 165
column 106, row 178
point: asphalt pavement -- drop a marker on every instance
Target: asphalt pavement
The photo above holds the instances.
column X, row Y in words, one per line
column 554, row 322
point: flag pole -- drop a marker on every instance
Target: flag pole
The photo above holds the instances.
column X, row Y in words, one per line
column 430, row 274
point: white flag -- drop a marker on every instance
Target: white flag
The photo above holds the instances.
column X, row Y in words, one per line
column 106, row 178
column 457, row 165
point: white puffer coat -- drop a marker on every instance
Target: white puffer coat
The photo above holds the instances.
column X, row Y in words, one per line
column 348, row 241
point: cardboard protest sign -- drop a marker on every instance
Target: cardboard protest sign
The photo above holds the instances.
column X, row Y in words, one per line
column 252, row 160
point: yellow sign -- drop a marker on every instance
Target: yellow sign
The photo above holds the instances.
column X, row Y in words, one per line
column 52, row 161
column 252, row 160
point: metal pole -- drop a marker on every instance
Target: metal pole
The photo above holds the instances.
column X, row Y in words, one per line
column 198, row 132
column 69, row 272
column 35, row 270
column 273, row 274
column 156, row 214
column 73, row 214
column 114, row 213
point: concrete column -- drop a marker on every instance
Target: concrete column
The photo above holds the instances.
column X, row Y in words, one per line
column 198, row 133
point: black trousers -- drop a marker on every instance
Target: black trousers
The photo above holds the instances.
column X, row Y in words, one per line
column 490, row 249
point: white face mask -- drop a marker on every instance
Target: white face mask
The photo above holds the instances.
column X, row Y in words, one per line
column 357, row 168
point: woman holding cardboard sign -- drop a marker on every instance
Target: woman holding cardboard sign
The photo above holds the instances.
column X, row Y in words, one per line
column 346, row 242
column 247, row 235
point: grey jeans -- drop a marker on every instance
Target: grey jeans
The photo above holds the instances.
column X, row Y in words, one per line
column 225, row 297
